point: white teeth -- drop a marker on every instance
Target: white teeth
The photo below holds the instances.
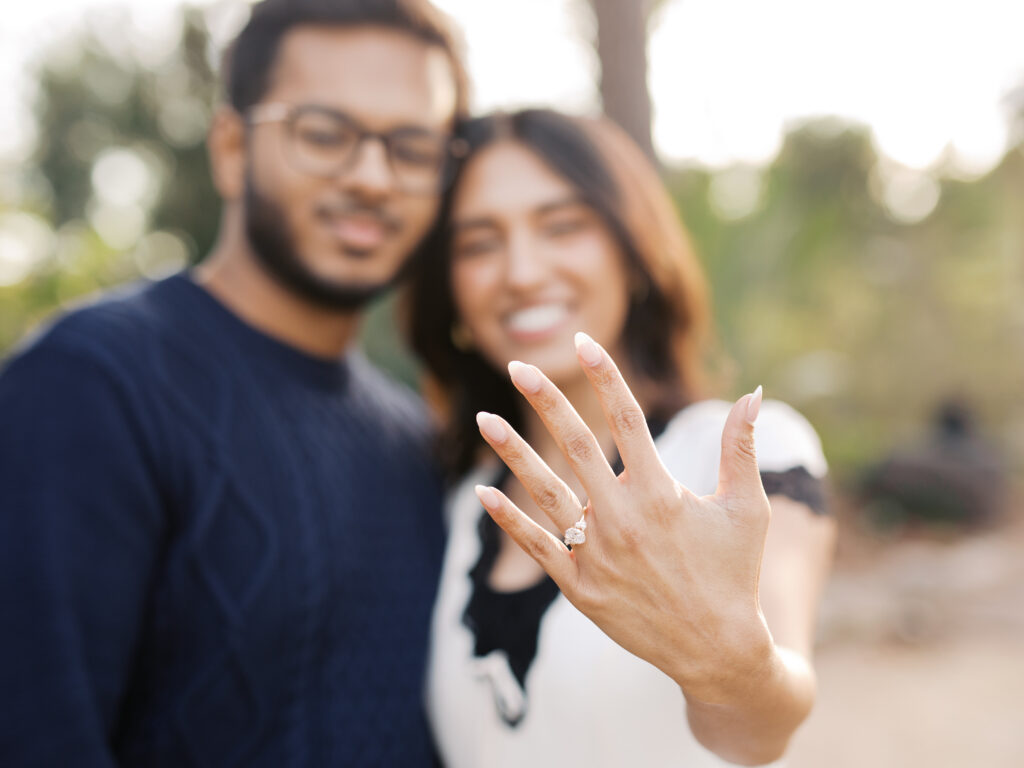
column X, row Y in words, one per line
column 538, row 318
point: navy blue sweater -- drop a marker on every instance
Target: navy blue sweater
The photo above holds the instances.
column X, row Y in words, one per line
column 214, row 549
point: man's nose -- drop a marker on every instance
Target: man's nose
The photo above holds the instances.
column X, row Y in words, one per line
column 370, row 174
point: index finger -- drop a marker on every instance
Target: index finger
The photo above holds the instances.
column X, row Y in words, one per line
column 573, row 437
column 621, row 410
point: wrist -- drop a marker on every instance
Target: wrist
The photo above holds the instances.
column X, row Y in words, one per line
column 739, row 660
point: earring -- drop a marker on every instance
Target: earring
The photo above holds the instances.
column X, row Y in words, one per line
column 462, row 339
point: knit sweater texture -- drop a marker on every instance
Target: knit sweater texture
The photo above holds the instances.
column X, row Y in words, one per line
column 215, row 550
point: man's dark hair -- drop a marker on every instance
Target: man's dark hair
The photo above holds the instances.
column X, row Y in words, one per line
column 249, row 61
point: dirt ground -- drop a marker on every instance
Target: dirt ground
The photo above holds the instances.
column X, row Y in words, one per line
column 921, row 654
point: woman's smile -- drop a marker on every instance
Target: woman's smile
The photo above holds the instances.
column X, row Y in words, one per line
column 537, row 322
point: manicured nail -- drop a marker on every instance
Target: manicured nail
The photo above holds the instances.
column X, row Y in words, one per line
column 754, row 404
column 491, row 426
column 526, row 376
column 587, row 349
column 488, row 497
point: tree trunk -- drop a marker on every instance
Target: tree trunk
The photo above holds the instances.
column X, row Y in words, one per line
column 622, row 50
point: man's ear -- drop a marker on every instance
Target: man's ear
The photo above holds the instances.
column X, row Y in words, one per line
column 225, row 143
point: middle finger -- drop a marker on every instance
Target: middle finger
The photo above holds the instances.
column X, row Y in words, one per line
column 570, row 432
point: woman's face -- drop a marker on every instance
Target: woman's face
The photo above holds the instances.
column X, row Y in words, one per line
column 532, row 264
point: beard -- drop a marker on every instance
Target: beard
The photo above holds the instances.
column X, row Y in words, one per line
column 267, row 231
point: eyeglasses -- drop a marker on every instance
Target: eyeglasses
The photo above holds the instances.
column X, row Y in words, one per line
column 325, row 142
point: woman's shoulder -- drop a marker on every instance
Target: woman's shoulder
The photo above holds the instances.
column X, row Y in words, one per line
column 784, row 438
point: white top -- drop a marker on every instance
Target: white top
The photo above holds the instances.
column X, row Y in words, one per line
column 587, row 701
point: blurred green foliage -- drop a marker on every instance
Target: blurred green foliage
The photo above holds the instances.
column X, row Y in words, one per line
column 860, row 292
column 864, row 322
column 120, row 174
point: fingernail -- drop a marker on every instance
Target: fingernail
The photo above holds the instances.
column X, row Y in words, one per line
column 487, row 496
column 587, row 349
column 754, row 404
column 526, row 376
column 491, row 426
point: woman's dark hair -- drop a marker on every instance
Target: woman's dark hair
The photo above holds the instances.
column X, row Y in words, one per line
column 249, row 60
column 667, row 323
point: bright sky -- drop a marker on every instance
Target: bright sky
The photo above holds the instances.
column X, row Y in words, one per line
column 727, row 76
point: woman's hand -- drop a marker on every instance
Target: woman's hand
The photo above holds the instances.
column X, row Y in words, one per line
column 671, row 577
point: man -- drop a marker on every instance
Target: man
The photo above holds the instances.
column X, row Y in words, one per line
column 219, row 531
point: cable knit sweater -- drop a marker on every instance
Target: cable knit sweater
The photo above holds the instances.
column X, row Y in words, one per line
column 214, row 549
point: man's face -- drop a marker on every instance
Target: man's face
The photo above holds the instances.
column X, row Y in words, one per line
column 338, row 238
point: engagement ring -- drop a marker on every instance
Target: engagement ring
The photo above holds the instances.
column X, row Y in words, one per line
column 576, row 535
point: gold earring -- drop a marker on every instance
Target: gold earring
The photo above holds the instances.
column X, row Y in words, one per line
column 462, row 339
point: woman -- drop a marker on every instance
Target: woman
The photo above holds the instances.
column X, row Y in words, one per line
column 555, row 225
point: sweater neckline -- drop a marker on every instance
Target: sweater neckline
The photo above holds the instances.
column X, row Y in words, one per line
column 294, row 362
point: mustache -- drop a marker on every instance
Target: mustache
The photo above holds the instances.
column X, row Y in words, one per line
column 338, row 208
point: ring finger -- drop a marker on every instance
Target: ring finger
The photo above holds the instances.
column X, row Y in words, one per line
column 547, row 489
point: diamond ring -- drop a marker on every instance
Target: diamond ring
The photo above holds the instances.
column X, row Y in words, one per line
column 577, row 534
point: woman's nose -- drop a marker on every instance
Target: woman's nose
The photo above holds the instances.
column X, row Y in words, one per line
column 527, row 265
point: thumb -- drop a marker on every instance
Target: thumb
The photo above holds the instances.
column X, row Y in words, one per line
column 738, row 475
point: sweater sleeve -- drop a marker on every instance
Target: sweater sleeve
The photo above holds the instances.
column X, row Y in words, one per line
column 80, row 530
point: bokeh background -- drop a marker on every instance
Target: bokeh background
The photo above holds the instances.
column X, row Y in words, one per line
column 853, row 179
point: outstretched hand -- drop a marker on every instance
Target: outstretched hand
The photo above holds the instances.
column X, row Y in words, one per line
column 670, row 576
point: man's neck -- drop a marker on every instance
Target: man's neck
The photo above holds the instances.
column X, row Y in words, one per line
column 234, row 278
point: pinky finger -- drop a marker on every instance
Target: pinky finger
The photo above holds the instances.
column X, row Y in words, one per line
column 550, row 553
